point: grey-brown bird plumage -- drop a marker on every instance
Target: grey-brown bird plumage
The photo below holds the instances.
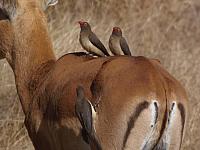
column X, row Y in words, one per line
column 118, row 44
column 90, row 41
column 84, row 111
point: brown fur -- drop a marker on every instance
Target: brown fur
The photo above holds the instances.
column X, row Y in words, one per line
column 47, row 89
column 6, row 37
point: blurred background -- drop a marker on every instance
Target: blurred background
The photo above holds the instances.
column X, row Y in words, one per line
column 165, row 29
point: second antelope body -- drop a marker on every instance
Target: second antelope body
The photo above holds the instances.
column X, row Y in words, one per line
column 79, row 102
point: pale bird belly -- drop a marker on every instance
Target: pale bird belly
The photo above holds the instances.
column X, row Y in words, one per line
column 116, row 48
column 88, row 46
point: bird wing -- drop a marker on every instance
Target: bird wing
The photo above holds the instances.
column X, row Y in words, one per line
column 83, row 110
column 84, row 114
column 96, row 42
column 125, row 47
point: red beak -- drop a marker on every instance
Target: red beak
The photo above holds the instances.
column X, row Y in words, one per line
column 81, row 23
column 115, row 29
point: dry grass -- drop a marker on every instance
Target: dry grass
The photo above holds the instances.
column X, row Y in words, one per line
column 164, row 29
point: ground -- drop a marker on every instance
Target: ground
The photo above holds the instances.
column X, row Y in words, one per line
column 165, row 29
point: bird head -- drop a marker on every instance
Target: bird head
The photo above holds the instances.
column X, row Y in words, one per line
column 84, row 25
column 117, row 31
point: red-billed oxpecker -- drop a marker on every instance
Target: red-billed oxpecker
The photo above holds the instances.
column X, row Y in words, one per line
column 90, row 42
column 118, row 44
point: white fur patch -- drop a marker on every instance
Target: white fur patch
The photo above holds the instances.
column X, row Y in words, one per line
column 154, row 112
column 171, row 119
column 172, row 112
column 153, row 119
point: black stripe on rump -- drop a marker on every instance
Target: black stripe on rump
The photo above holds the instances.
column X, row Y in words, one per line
column 133, row 118
column 156, row 108
column 182, row 112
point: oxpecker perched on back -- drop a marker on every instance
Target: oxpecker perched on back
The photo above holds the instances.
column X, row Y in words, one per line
column 90, row 41
column 118, row 44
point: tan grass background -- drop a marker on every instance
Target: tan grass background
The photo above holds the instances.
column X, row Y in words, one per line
column 165, row 29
